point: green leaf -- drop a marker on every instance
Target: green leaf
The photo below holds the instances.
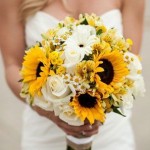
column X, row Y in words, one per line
column 100, row 31
column 31, row 101
column 84, row 22
column 39, row 43
column 116, row 110
column 60, row 25
column 133, row 96
column 88, row 57
column 44, row 37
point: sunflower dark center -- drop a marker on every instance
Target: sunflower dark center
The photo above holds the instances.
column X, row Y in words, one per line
column 108, row 74
column 38, row 70
column 81, row 45
column 85, row 100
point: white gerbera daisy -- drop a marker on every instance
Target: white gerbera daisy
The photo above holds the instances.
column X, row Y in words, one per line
column 82, row 39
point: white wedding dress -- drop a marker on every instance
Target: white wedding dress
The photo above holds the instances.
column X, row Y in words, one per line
column 40, row 133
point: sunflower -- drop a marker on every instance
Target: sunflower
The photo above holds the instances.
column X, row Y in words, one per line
column 115, row 69
column 35, row 69
column 88, row 106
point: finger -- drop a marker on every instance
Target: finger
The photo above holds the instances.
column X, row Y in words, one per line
column 96, row 125
column 79, row 131
column 64, row 125
column 93, row 127
column 86, row 133
column 90, row 133
column 75, row 134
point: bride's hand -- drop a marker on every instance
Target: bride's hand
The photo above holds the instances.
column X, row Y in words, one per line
column 85, row 130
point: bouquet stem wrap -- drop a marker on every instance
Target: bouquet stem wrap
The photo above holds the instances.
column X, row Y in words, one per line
column 74, row 143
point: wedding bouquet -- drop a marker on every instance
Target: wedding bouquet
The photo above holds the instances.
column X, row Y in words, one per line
column 81, row 70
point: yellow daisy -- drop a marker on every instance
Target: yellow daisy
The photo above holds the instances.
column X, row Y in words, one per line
column 35, row 69
column 115, row 69
column 88, row 106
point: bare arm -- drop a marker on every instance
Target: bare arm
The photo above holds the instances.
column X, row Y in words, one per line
column 11, row 42
column 133, row 14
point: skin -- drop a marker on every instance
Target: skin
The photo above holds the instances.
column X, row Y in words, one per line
column 12, row 42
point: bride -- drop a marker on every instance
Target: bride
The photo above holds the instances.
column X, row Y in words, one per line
column 42, row 130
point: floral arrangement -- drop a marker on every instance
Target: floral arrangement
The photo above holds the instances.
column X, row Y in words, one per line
column 81, row 70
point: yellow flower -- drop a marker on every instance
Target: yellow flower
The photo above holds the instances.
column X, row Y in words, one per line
column 99, row 47
column 35, row 69
column 88, row 106
column 120, row 44
column 129, row 41
column 97, row 69
column 107, row 105
column 84, row 69
column 115, row 70
column 81, row 70
column 55, row 58
column 91, row 19
column 102, row 28
column 108, row 36
column 61, row 70
column 48, row 46
column 69, row 20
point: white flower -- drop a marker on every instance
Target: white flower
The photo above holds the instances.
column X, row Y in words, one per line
column 139, row 86
column 75, row 83
column 127, row 99
column 67, row 114
column 134, row 65
column 43, row 103
column 72, row 55
column 135, row 68
column 79, row 44
column 55, row 89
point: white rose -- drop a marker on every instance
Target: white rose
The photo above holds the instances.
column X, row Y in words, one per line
column 43, row 103
column 67, row 114
column 55, row 89
column 73, row 55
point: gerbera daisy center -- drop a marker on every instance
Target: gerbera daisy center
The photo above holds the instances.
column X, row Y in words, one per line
column 108, row 74
column 86, row 100
column 81, row 45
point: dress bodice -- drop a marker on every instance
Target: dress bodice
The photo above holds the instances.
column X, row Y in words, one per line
column 41, row 22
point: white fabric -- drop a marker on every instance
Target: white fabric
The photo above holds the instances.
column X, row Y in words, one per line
column 80, row 140
column 41, row 134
